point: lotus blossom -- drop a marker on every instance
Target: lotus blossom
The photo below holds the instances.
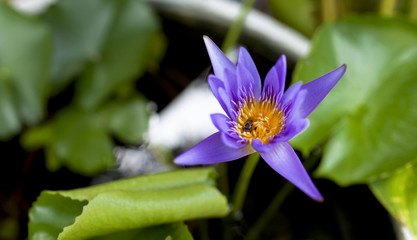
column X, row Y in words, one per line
column 257, row 119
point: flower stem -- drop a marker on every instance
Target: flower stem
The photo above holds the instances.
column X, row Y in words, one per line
column 329, row 10
column 203, row 229
column 223, row 181
column 236, row 28
column 242, row 183
column 270, row 211
column 276, row 203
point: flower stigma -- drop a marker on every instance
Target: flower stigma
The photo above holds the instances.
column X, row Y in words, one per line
column 262, row 119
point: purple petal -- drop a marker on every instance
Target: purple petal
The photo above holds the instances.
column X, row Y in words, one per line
column 215, row 85
column 292, row 129
column 245, row 81
column 275, row 79
column 232, row 140
column 318, row 89
column 290, row 94
column 226, row 103
column 211, row 150
column 245, row 61
column 220, row 122
column 285, row 161
column 219, row 61
column 231, row 84
column 229, row 137
column 260, row 147
column 292, row 105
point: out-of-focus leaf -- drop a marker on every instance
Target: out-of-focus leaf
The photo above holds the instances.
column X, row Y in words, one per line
column 175, row 231
column 9, row 117
column 42, row 136
column 79, row 30
column 81, row 140
column 298, row 14
column 9, row 228
column 128, row 120
column 115, row 38
column 82, row 143
column 76, row 139
column 37, row 137
column 398, row 193
column 125, row 53
column 128, row 204
column 53, row 161
column 25, row 53
column 369, row 117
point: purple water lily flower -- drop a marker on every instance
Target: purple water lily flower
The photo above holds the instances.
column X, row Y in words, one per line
column 257, row 119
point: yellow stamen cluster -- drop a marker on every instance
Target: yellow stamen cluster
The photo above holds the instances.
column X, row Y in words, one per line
column 261, row 119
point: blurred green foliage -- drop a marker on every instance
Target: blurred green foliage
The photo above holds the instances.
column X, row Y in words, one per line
column 99, row 48
column 25, row 59
column 301, row 15
column 81, row 140
column 102, row 46
column 369, row 119
column 112, row 210
column 307, row 16
column 127, row 51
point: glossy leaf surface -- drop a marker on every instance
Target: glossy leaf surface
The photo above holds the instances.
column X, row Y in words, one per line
column 137, row 203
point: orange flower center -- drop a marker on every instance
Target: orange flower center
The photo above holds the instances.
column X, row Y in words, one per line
column 261, row 119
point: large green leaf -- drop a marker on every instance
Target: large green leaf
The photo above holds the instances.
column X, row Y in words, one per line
column 25, row 53
column 368, row 118
column 398, row 193
column 126, row 53
column 79, row 30
column 147, row 182
column 133, row 203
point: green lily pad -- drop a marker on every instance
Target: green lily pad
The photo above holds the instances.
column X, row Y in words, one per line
column 135, row 203
column 368, row 119
column 398, row 193
column 173, row 231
